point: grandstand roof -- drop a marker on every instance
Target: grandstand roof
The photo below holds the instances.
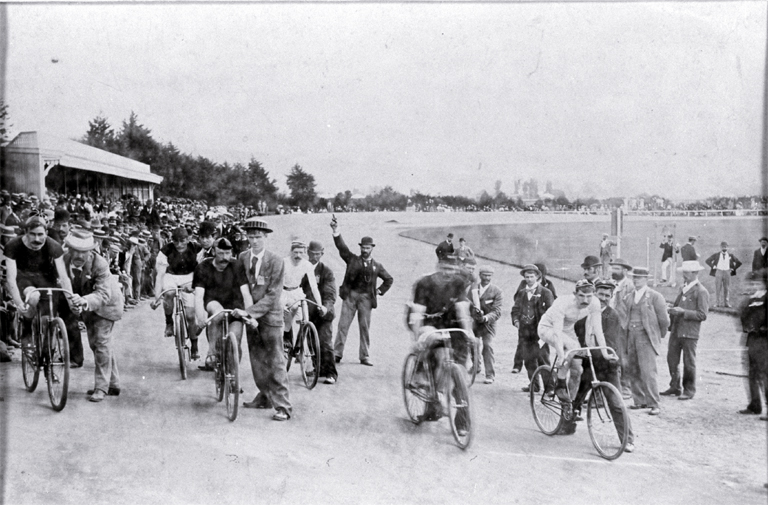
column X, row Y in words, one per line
column 69, row 153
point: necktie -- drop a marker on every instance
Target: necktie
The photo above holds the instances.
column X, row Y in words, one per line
column 77, row 274
column 254, row 263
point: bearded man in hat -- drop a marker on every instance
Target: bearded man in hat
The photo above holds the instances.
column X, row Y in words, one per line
column 99, row 303
column 592, row 267
column 265, row 270
column 486, row 310
column 531, row 303
column 687, row 313
column 623, row 285
column 322, row 318
column 644, row 321
column 358, row 292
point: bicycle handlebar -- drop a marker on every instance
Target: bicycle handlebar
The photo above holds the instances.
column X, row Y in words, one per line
column 446, row 334
column 289, row 307
column 586, row 349
column 180, row 287
column 65, row 291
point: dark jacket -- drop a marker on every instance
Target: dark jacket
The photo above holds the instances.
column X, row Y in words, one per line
column 354, row 268
column 443, row 250
column 696, row 305
column 734, row 263
column 759, row 260
column 326, row 284
column 542, row 298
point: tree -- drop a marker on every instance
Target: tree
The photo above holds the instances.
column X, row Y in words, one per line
column 136, row 141
column 302, row 186
column 258, row 185
column 4, row 124
column 100, row 134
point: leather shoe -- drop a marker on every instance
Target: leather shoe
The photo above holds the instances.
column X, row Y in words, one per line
column 515, row 370
column 748, row 411
column 366, row 362
column 329, row 380
column 489, row 380
column 655, row 411
column 97, row 396
column 764, row 418
column 338, row 359
column 638, row 407
column 255, row 404
column 670, row 392
column 281, row 415
column 629, row 448
column 685, row 397
column 110, row 392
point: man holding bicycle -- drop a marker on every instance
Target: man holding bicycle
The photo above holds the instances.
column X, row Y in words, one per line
column 440, row 302
column 34, row 260
column 220, row 284
column 296, row 268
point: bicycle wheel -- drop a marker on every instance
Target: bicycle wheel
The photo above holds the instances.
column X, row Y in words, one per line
column 607, row 420
column 231, row 373
column 459, row 407
column 546, row 407
column 180, row 334
column 218, row 370
column 309, row 354
column 30, row 356
column 57, row 365
column 415, row 397
column 474, row 360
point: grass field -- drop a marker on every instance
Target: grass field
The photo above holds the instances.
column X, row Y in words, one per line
column 562, row 246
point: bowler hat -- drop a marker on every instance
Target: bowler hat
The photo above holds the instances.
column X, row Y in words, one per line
column 530, row 268
column 621, row 263
column 639, row 272
column 256, row 224
column 692, row 237
column 367, row 241
column 591, row 261
column 316, row 246
column 80, row 239
column 763, row 238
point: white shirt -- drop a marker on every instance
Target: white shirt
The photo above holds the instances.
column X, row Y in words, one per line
column 688, row 287
column 724, row 261
column 481, row 289
column 639, row 293
column 530, row 291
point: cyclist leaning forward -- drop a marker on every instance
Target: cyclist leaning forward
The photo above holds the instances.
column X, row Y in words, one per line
column 35, row 260
column 440, row 302
column 176, row 263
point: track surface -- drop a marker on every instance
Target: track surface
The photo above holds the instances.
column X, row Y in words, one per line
column 167, row 441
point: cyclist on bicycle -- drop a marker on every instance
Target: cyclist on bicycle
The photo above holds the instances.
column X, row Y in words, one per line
column 556, row 328
column 176, row 263
column 440, row 302
column 35, row 260
column 220, row 283
column 297, row 267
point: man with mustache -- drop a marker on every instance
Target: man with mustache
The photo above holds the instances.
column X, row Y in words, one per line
column 36, row 261
column 100, row 302
column 358, row 291
column 624, row 286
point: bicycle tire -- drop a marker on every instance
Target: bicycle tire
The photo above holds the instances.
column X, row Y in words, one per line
column 604, row 402
column 459, row 405
column 415, row 398
column 545, row 405
column 474, row 356
column 231, row 369
column 291, row 353
column 57, row 364
column 218, row 370
column 309, row 349
column 30, row 357
column 179, row 332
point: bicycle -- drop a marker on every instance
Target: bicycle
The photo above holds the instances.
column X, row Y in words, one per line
column 305, row 348
column 226, row 365
column 550, row 413
column 47, row 349
column 180, row 330
column 455, row 391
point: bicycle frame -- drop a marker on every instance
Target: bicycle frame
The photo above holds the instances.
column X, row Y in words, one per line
column 444, row 338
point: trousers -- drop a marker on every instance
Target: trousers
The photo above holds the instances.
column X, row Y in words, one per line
column 687, row 347
column 722, row 283
column 265, row 349
column 641, row 367
column 757, row 354
column 99, row 332
column 359, row 303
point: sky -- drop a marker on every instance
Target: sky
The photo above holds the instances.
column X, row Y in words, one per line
column 603, row 99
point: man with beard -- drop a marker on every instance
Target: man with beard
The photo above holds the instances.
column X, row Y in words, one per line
column 620, row 274
column 358, row 292
column 36, row 261
column 220, row 284
column 531, row 303
column 99, row 302
column 175, row 265
column 322, row 317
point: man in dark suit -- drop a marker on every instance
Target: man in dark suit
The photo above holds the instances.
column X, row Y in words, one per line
column 486, row 310
column 264, row 270
column 760, row 258
column 100, row 302
column 688, row 251
column 326, row 283
column 531, row 302
column 445, row 248
column 687, row 313
column 723, row 266
column 754, row 324
column 358, row 291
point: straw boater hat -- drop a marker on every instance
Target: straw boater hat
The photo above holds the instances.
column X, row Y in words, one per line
column 256, row 224
column 530, row 268
column 639, row 272
column 80, row 240
column 691, row 266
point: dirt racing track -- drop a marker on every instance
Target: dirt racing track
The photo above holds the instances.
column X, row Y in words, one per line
column 167, row 441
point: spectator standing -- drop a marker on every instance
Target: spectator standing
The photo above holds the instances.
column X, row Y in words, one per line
column 486, row 310
column 668, row 260
column 620, row 274
column 546, row 283
column 445, row 248
column 464, row 252
column 645, row 321
column 723, row 266
column 358, row 292
column 688, row 251
column 606, row 253
column 688, row 311
column 326, row 283
column 754, row 315
column 760, row 257
column 592, row 268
